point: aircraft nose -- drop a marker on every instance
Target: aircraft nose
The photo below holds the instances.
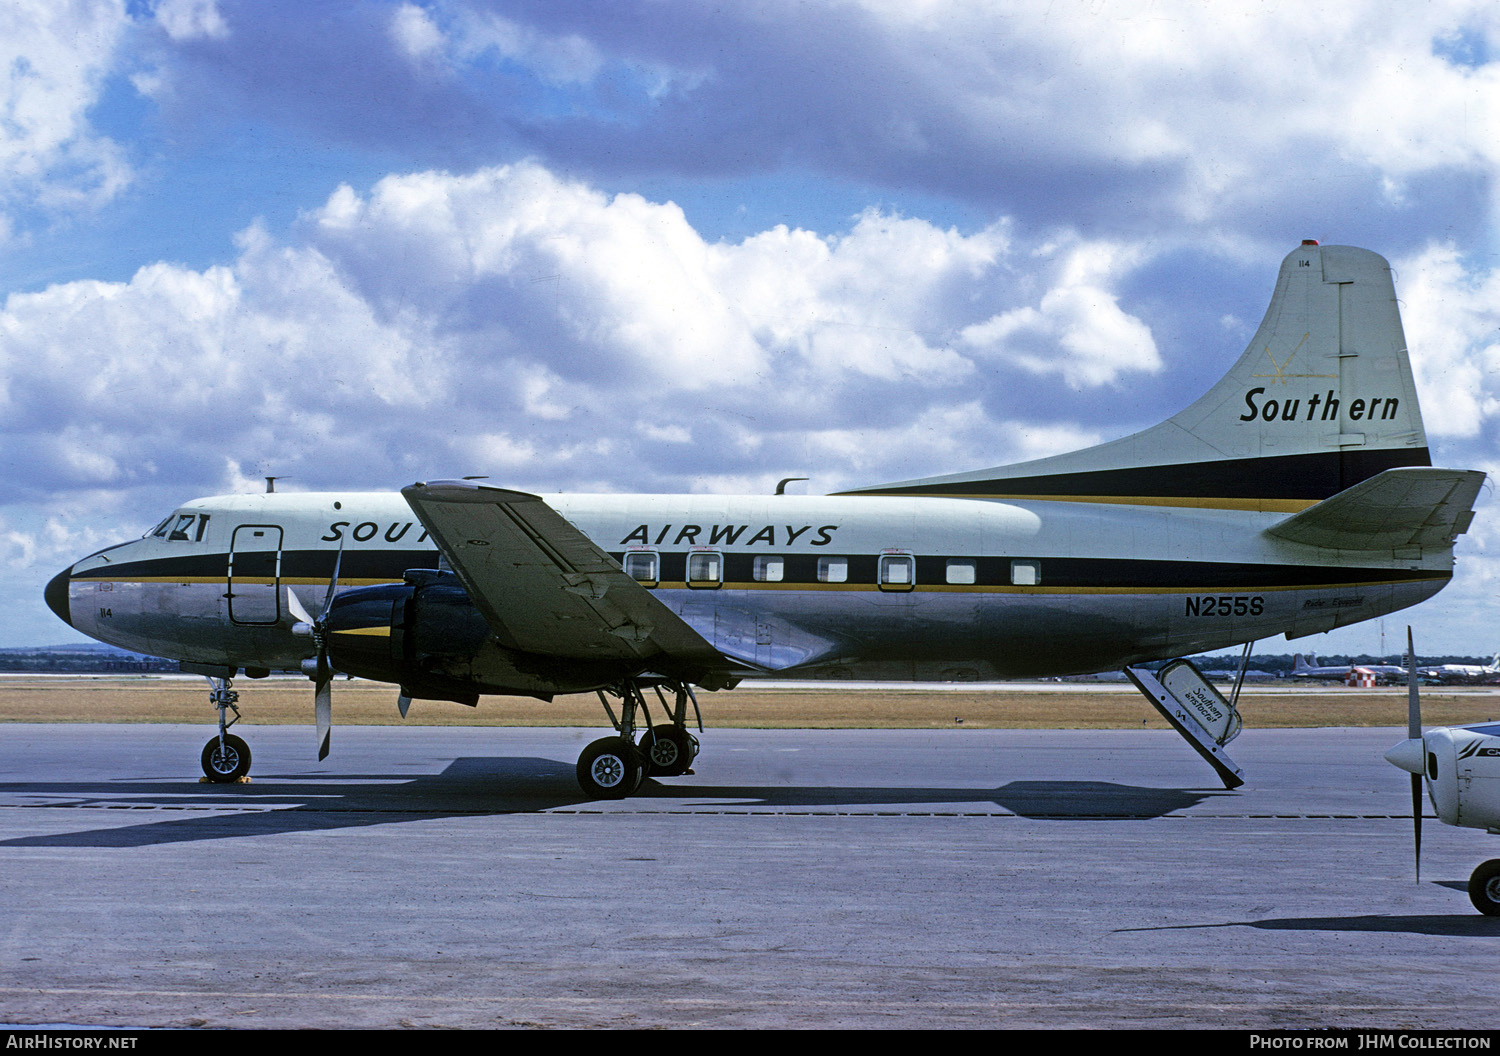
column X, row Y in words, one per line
column 57, row 595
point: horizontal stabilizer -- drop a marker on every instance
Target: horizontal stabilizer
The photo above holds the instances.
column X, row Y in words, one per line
column 1398, row 509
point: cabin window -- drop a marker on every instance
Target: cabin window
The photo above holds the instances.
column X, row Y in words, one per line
column 962, row 570
column 1025, row 573
column 704, row 569
column 768, row 569
column 833, row 570
column 641, row 566
column 896, row 571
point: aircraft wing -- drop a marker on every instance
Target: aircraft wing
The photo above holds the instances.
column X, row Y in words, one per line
column 545, row 588
column 1413, row 506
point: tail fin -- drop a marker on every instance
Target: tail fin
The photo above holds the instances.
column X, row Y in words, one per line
column 1322, row 399
column 1299, row 663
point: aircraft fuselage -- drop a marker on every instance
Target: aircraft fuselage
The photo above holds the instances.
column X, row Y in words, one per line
column 860, row 587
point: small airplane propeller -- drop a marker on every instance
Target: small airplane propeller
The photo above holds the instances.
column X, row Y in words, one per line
column 322, row 671
column 1414, row 732
column 1410, row 755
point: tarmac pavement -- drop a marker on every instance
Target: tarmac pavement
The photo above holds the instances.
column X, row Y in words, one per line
column 431, row 876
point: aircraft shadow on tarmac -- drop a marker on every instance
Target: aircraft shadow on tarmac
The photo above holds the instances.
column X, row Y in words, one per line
column 1459, row 924
column 281, row 803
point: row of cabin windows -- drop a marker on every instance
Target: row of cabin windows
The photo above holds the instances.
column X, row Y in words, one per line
column 892, row 571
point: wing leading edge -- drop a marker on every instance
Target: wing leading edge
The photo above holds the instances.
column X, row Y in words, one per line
column 545, row 588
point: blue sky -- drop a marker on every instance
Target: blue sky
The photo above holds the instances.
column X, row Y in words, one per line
column 671, row 246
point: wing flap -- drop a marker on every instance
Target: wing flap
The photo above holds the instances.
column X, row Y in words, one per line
column 545, row 587
column 1416, row 506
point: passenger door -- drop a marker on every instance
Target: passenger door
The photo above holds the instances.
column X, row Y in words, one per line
column 255, row 574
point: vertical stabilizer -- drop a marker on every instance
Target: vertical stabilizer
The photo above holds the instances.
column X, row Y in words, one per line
column 1322, row 399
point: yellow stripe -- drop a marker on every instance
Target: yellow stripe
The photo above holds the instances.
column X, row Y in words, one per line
column 382, row 632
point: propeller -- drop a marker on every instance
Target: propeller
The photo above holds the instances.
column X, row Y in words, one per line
column 1410, row 755
column 1414, row 733
column 321, row 671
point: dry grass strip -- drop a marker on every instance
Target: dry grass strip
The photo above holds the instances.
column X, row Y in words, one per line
column 1069, row 706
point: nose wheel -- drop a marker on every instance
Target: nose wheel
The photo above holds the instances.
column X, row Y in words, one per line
column 226, row 758
column 226, row 761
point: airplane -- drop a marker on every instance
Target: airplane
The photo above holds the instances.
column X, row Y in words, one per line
column 1460, row 766
column 1451, row 673
column 1301, row 668
column 1295, row 496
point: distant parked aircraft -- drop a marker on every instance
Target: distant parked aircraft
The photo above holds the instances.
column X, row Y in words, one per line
column 1341, row 672
column 1463, row 672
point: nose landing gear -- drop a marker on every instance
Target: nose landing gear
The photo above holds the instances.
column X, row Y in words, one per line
column 226, row 758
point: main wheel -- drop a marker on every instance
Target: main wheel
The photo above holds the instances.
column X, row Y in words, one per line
column 669, row 750
column 227, row 764
column 611, row 768
column 1484, row 888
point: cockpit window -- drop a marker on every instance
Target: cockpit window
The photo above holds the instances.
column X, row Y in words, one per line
column 182, row 527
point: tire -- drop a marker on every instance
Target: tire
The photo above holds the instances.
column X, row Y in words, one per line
column 611, row 768
column 669, row 750
column 229, row 765
column 1484, row 888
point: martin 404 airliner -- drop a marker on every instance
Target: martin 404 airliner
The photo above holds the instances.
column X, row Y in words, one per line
column 1297, row 495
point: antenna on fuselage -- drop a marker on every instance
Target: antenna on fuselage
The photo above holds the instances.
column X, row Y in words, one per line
column 781, row 487
column 271, row 485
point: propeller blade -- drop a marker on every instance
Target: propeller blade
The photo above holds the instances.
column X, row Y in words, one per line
column 403, row 702
column 1416, row 822
column 1413, row 696
column 294, row 606
column 1414, row 733
column 333, row 584
column 323, row 711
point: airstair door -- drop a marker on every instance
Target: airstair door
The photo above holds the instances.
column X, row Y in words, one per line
column 255, row 574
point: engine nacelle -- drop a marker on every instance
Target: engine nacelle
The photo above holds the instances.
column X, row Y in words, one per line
column 426, row 635
column 1461, row 767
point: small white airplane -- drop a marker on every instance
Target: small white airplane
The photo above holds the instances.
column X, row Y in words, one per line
column 1461, row 768
column 1295, row 496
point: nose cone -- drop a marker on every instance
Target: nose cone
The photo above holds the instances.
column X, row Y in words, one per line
column 1409, row 756
column 57, row 596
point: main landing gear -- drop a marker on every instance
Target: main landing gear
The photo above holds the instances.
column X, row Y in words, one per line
column 226, row 758
column 615, row 767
